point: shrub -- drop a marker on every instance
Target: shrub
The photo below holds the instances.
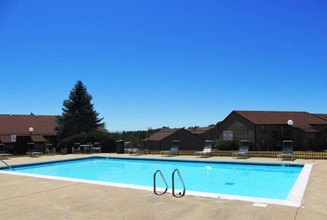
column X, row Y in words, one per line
column 226, row 145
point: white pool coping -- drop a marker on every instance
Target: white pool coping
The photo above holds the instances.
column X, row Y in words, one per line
column 294, row 199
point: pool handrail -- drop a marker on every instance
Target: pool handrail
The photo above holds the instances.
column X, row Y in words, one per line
column 155, row 183
column 8, row 165
column 173, row 184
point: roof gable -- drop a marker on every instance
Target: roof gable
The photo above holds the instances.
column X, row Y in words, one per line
column 162, row 134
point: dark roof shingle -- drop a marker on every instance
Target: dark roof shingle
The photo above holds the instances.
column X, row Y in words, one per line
column 302, row 120
column 323, row 116
column 199, row 130
column 160, row 135
column 20, row 124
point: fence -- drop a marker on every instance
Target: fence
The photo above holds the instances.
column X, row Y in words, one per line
column 273, row 154
column 268, row 154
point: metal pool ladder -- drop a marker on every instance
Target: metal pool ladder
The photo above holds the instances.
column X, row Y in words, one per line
column 173, row 183
column 155, row 183
column 7, row 165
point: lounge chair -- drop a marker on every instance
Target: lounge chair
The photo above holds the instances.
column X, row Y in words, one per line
column 3, row 153
column 173, row 150
column 50, row 149
column 132, row 150
column 243, row 151
column 96, row 147
column 31, row 150
column 207, row 150
column 87, row 148
column 76, row 148
column 287, row 152
column 137, row 150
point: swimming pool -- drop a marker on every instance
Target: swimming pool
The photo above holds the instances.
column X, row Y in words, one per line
column 275, row 183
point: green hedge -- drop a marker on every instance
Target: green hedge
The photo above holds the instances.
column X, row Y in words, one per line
column 226, row 145
column 106, row 140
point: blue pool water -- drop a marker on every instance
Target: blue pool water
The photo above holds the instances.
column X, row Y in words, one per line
column 273, row 181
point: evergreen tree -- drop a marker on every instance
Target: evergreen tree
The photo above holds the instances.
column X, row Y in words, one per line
column 78, row 114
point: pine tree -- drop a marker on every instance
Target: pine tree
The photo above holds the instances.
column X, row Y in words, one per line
column 78, row 114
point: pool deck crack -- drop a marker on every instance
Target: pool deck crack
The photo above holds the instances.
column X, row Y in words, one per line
column 39, row 192
column 297, row 212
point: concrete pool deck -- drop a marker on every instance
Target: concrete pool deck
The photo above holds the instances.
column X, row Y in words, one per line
column 23, row 197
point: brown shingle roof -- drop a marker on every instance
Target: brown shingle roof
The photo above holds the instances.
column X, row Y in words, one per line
column 302, row 120
column 323, row 116
column 160, row 135
column 199, row 130
column 20, row 124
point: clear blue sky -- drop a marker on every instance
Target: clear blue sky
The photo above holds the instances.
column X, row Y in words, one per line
column 164, row 62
